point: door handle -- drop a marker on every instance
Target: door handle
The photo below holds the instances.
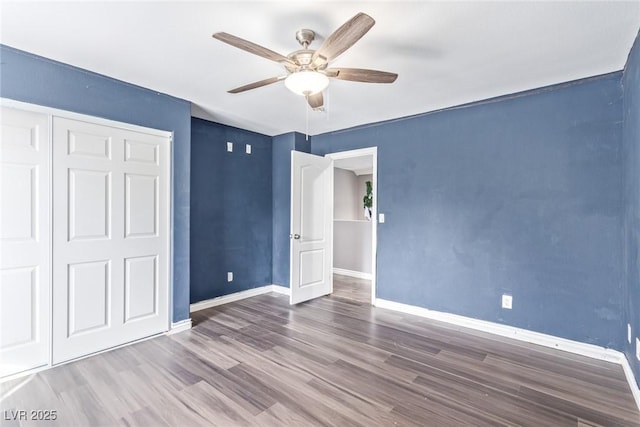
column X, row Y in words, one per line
column 296, row 236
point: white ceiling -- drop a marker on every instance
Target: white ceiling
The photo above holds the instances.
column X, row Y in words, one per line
column 445, row 53
column 362, row 165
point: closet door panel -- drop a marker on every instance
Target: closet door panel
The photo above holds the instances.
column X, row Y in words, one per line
column 110, row 283
column 24, row 241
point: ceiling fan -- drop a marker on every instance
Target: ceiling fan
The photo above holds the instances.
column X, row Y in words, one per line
column 307, row 69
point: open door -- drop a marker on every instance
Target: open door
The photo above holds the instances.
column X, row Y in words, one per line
column 311, row 227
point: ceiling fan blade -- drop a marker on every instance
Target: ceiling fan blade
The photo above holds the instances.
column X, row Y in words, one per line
column 258, row 84
column 316, row 100
column 344, row 37
column 361, row 75
column 252, row 48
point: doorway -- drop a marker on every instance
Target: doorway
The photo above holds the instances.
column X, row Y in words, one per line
column 355, row 225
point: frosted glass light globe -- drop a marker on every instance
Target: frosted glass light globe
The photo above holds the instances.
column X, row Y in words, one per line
column 306, row 82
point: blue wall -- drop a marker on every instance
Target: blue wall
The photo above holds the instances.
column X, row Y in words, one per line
column 631, row 150
column 281, row 165
column 37, row 80
column 231, row 217
column 518, row 195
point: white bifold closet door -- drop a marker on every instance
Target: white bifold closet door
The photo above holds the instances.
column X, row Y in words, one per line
column 24, row 241
column 110, row 240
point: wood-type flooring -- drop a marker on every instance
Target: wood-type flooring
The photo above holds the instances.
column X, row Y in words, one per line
column 330, row 361
column 351, row 288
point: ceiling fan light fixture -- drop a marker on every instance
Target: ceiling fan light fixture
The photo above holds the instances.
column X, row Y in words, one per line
column 306, row 82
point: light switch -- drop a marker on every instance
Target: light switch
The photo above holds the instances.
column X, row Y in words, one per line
column 507, row 301
column 248, row 149
column 381, row 218
column 230, row 276
column 230, row 146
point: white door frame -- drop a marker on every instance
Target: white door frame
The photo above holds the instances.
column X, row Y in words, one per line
column 361, row 152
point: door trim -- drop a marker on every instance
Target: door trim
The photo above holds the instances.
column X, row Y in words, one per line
column 10, row 103
column 361, row 152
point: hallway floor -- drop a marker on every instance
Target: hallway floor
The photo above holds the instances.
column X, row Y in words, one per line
column 350, row 288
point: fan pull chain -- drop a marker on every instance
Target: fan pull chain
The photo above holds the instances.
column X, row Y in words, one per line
column 306, row 117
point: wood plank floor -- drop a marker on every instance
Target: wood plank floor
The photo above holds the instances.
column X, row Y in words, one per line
column 330, row 361
column 351, row 288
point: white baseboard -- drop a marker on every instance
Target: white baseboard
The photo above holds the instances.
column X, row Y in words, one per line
column 280, row 289
column 351, row 273
column 583, row 349
column 181, row 326
column 237, row 296
column 589, row 350
column 631, row 379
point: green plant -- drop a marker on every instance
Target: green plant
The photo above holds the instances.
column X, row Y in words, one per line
column 368, row 198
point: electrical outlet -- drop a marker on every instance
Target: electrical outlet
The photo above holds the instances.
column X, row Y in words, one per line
column 229, row 147
column 230, row 276
column 637, row 349
column 629, row 333
column 507, row 301
column 248, row 148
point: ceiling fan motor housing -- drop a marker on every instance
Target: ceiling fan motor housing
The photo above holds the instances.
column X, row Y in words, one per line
column 303, row 56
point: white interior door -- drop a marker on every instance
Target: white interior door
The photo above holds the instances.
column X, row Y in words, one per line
column 24, row 241
column 311, row 226
column 110, row 240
